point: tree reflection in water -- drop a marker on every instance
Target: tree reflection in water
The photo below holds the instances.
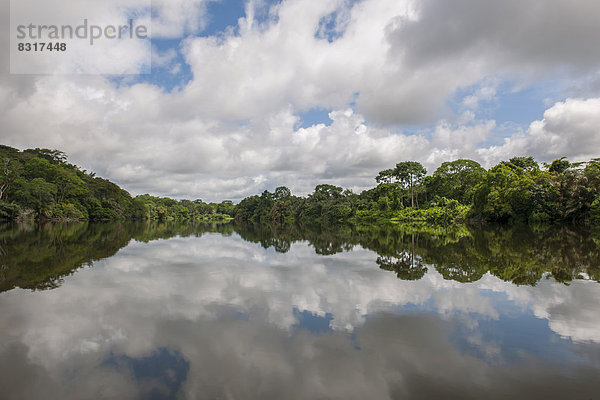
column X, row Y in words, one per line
column 38, row 256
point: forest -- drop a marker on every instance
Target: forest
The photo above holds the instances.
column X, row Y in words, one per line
column 515, row 191
column 40, row 184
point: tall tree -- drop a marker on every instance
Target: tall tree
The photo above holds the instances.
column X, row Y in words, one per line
column 410, row 172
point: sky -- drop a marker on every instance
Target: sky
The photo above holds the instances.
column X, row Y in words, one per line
column 245, row 96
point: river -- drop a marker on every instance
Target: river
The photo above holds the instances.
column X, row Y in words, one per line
column 172, row 311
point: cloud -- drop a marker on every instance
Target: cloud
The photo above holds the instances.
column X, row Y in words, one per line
column 398, row 62
column 146, row 149
column 88, row 19
column 569, row 129
column 177, row 18
column 233, row 129
column 508, row 35
column 140, row 144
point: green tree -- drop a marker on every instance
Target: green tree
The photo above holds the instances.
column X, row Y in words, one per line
column 512, row 190
column 68, row 184
column 36, row 194
column 411, row 173
column 385, row 176
column 281, row 193
column 595, row 212
column 559, row 166
column 9, row 171
column 457, row 180
column 326, row 192
column 40, row 168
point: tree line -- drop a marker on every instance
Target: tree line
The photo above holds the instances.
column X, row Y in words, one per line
column 517, row 190
column 41, row 184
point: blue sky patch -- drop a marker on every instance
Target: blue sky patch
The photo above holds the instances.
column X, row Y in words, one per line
column 313, row 117
column 222, row 15
column 333, row 26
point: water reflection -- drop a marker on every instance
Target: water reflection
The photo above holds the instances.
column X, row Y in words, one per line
column 208, row 313
column 38, row 256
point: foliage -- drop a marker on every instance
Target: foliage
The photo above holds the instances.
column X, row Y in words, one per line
column 8, row 210
column 595, row 212
column 440, row 211
column 42, row 184
column 410, row 173
column 456, row 180
column 517, row 190
column 166, row 209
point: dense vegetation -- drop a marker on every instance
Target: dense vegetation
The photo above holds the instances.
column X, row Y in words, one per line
column 518, row 190
column 41, row 184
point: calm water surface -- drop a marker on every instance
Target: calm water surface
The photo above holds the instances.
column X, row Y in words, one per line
column 129, row 311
